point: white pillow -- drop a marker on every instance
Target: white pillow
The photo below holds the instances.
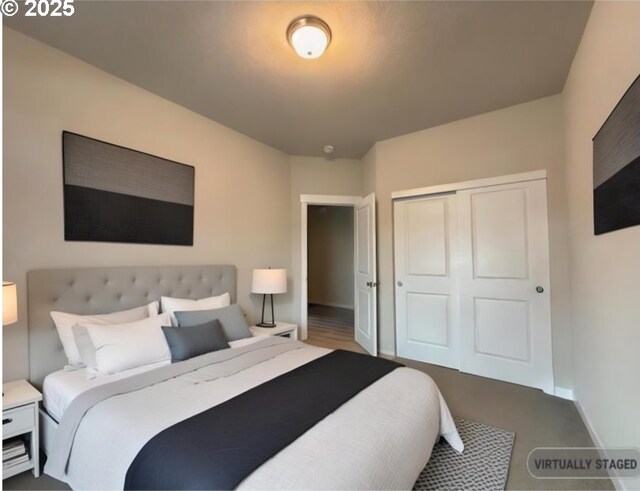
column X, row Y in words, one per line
column 125, row 346
column 64, row 323
column 171, row 305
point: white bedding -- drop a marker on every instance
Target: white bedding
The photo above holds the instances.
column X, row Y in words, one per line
column 62, row 387
column 380, row 439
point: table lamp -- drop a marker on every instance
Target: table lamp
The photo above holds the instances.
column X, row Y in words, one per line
column 269, row 282
column 9, row 303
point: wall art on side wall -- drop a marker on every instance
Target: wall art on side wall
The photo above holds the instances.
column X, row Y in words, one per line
column 115, row 194
column 616, row 166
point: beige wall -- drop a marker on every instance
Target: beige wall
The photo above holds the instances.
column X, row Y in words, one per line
column 330, row 256
column 520, row 138
column 605, row 270
column 243, row 198
column 316, row 175
column 369, row 171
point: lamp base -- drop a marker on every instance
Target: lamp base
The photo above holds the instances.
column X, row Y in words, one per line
column 266, row 324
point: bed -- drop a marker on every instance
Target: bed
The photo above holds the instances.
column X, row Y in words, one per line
column 109, row 433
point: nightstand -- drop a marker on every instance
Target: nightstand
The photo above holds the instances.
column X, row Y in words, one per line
column 20, row 418
column 282, row 329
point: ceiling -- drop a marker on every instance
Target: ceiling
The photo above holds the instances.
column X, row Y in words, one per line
column 392, row 67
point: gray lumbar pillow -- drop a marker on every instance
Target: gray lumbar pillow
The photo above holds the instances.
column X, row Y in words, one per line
column 231, row 318
column 190, row 341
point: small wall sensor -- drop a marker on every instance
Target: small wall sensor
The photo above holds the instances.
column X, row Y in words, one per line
column 328, row 149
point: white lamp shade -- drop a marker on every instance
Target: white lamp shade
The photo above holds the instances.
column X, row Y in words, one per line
column 9, row 303
column 269, row 281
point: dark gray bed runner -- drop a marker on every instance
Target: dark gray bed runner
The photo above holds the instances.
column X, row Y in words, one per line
column 223, row 363
column 219, row 447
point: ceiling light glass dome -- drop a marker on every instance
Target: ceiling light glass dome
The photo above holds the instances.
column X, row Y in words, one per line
column 309, row 36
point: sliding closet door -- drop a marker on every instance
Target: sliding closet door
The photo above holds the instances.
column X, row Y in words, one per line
column 426, row 286
column 505, row 321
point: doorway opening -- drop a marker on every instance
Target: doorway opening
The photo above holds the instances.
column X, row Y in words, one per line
column 363, row 264
column 330, row 275
column 362, row 281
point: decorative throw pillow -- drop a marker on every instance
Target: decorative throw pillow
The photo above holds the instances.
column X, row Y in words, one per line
column 124, row 346
column 190, row 341
column 170, row 304
column 65, row 321
column 231, row 318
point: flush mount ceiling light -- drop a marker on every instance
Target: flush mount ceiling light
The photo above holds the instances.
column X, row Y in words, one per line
column 309, row 36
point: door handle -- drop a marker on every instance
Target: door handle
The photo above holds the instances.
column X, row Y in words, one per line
column 539, row 289
column 368, row 283
column 399, row 283
column 6, row 421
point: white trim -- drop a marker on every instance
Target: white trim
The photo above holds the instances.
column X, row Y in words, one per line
column 329, row 199
column 390, row 354
column 331, row 304
column 305, row 201
column 597, row 442
column 477, row 183
column 304, row 288
column 564, row 393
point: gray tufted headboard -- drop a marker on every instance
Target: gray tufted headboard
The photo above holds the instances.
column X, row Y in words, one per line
column 104, row 290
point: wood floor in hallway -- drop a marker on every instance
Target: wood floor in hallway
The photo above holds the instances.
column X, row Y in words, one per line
column 332, row 327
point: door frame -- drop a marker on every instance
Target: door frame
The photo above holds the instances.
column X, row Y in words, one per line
column 476, row 183
column 319, row 200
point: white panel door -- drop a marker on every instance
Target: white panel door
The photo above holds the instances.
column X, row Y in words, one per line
column 505, row 320
column 426, row 285
column 365, row 299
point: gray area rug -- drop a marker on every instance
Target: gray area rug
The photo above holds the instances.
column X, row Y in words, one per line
column 483, row 465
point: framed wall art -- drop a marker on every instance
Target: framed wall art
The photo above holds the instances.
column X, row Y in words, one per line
column 115, row 194
column 616, row 166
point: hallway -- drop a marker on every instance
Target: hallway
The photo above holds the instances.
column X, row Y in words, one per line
column 332, row 327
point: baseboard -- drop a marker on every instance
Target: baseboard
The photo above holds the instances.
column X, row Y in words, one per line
column 387, row 354
column 564, row 393
column 330, row 304
column 617, row 482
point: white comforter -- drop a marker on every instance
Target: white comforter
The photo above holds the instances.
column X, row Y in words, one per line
column 62, row 387
column 380, row 439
